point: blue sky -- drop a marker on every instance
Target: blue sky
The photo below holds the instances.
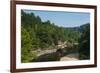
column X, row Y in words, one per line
column 61, row 18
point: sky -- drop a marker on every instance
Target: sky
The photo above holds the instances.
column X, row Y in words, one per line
column 62, row 18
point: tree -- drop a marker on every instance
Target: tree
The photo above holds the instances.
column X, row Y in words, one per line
column 26, row 45
column 84, row 50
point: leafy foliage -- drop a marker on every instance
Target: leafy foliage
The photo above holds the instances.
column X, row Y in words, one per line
column 85, row 43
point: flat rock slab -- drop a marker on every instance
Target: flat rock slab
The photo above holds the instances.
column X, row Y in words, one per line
column 70, row 57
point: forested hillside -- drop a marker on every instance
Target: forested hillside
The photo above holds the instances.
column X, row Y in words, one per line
column 38, row 35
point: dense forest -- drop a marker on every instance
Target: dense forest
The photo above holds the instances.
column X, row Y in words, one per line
column 38, row 35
